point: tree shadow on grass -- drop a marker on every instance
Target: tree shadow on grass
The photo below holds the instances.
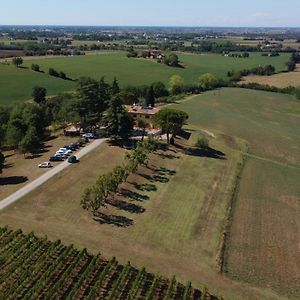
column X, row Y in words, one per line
column 118, row 221
column 164, row 171
column 8, row 166
column 209, row 152
column 133, row 195
column 13, row 180
column 130, row 207
column 148, row 187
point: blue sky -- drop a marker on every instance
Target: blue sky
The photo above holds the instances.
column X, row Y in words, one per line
column 153, row 12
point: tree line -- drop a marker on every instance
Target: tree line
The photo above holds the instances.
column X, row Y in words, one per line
column 107, row 184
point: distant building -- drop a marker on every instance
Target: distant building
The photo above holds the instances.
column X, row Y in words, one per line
column 142, row 112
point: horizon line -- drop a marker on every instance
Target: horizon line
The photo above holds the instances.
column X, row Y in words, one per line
column 160, row 26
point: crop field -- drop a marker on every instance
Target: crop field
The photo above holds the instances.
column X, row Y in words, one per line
column 263, row 244
column 279, row 80
column 16, row 83
column 35, row 268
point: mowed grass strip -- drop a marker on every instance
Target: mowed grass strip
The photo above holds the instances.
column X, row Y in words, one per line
column 264, row 240
column 172, row 225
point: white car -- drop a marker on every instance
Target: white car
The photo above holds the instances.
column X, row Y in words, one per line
column 88, row 135
column 65, row 152
column 45, row 165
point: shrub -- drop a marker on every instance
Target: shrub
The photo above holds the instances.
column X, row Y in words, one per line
column 202, row 143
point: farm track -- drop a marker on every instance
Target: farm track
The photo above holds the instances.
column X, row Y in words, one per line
column 35, row 268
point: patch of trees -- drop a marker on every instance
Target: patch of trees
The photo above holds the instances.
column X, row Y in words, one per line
column 54, row 73
column 264, row 87
column 25, row 127
column 261, row 70
column 39, row 94
column 132, row 53
column 17, row 61
column 172, row 60
column 294, row 60
column 108, row 184
column 117, row 120
column 35, row 68
column 170, row 121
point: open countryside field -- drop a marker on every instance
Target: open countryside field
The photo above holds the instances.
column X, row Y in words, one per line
column 281, row 80
column 263, row 245
column 153, row 226
column 16, row 83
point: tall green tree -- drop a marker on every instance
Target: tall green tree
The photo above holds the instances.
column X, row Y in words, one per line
column 176, row 84
column 150, row 97
column 170, row 121
column 30, row 142
column 207, row 81
column 39, row 94
column 143, row 125
column 118, row 121
column 159, row 89
column 115, row 89
column 93, row 98
column 17, row 61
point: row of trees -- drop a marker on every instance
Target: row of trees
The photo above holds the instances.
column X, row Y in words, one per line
column 107, row 184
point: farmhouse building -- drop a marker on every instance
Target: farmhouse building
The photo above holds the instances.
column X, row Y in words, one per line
column 142, row 112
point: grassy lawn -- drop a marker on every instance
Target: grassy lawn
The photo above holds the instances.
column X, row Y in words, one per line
column 263, row 246
column 170, row 222
column 16, row 84
column 19, row 171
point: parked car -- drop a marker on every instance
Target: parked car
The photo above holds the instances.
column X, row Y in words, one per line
column 88, row 135
column 72, row 159
column 65, row 150
column 46, row 164
column 63, row 156
column 56, row 158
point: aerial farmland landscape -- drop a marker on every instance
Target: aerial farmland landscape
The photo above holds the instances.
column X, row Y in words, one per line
column 150, row 151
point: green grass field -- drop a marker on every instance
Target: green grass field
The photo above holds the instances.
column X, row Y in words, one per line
column 174, row 223
column 263, row 244
column 16, row 84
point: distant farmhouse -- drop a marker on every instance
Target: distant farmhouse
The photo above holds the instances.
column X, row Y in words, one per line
column 154, row 54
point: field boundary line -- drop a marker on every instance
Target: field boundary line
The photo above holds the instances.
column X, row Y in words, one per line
column 271, row 161
column 222, row 256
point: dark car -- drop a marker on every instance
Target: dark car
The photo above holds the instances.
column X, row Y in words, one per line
column 72, row 160
column 56, row 158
